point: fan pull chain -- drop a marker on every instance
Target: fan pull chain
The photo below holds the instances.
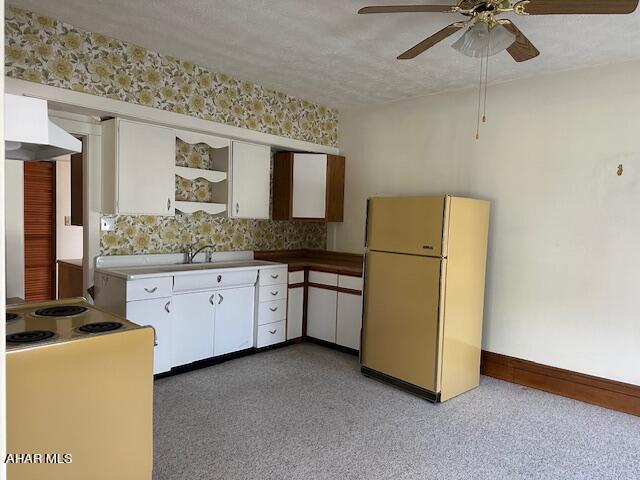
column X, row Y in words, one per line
column 480, row 97
column 486, row 83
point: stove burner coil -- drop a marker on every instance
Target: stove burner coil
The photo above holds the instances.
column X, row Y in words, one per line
column 11, row 316
column 60, row 311
column 100, row 327
column 30, row 336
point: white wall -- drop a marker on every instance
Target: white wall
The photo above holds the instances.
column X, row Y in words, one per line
column 68, row 237
column 14, row 228
column 563, row 269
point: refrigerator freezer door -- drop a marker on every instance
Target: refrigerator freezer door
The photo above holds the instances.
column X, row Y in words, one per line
column 400, row 324
column 411, row 225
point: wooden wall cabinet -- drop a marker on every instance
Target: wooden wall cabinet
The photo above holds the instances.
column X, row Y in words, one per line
column 308, row 187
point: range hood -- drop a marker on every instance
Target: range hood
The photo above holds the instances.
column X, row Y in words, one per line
column 30, row 135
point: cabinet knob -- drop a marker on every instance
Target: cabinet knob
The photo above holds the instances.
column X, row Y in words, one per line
column 274, row 293
column 220, row 299
column 211, row 300
column 168, row 204
column 150, row 290
column 166, row 307
column 219, row 278
column 273, row 309
column 274, row 276
column 273, row 332
column 237, row 208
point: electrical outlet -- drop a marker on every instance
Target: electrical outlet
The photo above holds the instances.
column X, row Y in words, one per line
column 107, row 224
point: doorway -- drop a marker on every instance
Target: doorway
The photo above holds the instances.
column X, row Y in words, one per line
column 44, row 229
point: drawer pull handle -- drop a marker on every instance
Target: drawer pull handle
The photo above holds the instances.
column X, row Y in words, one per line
column 274, row 293
column 150, row 290
column 273, row 332
column 166, row 307
column 211, row 301
column 427, row 247
column 220, row 299
column 274, row 276
column 273, row 309
column 219, row 278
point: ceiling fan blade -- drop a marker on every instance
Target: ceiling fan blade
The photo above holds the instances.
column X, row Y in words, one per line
column 407, row 9
column 427, row 43
column 584, row 7
column 522, row 49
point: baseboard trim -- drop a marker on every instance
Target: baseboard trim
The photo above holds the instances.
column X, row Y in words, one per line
column 610, row 394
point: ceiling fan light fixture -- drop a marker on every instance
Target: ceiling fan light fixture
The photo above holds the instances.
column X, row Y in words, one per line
column 482, row 41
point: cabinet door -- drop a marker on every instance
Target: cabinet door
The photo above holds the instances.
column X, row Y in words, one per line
column 295, row 309
column 349, row 319
column 321, row 314
column 309, row 186
column 192, row 328
column 145, row 169
column 250, row 180
column 157, row 313
column 233, row 320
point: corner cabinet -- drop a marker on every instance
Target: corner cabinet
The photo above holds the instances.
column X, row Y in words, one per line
column 138, row 165
column 308, row 187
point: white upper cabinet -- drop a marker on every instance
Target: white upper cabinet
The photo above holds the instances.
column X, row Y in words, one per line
column 250, row 182
column 138, row 165
column 309, row 186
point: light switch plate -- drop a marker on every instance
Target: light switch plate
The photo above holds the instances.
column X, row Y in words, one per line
column 107, row 224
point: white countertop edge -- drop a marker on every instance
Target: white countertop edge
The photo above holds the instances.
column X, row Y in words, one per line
column 121, row 272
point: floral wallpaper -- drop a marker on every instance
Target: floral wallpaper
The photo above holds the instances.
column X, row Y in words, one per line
column 47, row 51
column 145, row 234
column 44, row 50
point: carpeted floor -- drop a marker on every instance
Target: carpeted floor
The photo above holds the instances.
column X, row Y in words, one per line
column 305, row 412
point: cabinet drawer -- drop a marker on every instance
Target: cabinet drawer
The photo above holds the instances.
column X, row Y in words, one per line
column 273, row 276
column 273, row 292
column 149, row 288
column 271, row 334
column 216, row 279
column 269, row 312
column 296, row 277
column 323, row 278
column 352, row 283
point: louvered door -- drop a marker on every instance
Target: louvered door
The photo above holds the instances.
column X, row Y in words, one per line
column 39, row 230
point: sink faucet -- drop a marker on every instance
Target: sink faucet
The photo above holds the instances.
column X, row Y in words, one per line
column 191, row 254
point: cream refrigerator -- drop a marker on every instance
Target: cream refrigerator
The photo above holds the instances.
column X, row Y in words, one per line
column 424, row 293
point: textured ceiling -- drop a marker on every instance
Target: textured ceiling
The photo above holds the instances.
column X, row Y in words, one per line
column 321, row 50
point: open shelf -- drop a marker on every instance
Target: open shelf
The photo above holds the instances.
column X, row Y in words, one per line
column 212, row 176
column 210, row 208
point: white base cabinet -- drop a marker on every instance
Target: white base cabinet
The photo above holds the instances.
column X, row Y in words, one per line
column 192, row 327
column 271, row 315
column 321, row 314
column 349, row 320
column 233, row 320
column 334, row 313
column 295, row 312
column 158, row 313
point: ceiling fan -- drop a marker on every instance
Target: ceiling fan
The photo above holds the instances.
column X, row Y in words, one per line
column 486, row 32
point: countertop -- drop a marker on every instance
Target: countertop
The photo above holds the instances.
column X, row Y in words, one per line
column 74, row 262
column 156, row 271
column 322, row 260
